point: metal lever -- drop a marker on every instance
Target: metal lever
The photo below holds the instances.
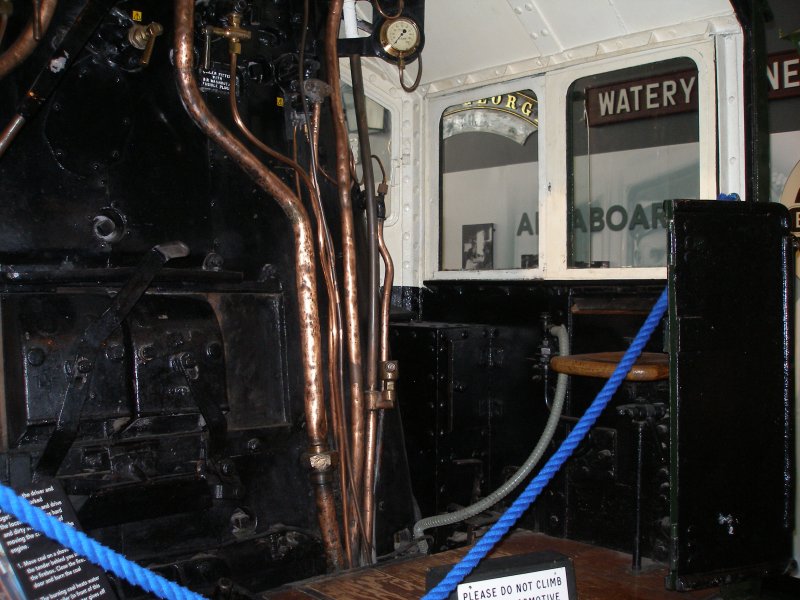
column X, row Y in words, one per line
column 81, row 366
column 143, row 37
column 186, row 364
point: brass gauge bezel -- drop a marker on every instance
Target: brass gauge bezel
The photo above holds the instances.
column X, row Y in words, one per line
column 388, row 46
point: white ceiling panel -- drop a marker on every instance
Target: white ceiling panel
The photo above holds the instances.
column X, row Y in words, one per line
column 465, row 36
column 580, row 22
column 640, row 15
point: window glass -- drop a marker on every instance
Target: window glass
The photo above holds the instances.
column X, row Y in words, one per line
column 379, row 124
column 489, row 183
column 633, row 143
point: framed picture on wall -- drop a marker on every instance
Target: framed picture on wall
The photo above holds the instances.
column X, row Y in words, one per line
column 476, row 244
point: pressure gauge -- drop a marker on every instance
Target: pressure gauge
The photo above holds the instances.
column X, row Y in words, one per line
column 400, row 38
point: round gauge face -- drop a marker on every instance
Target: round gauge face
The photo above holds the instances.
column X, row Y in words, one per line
column 400, row 37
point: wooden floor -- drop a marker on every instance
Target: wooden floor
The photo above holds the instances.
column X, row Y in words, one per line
column 601, row 574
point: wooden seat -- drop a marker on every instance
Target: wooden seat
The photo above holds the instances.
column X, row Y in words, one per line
column 650, row 366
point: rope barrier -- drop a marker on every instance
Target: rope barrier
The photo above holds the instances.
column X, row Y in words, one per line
column 529, row 494
column 82, row 544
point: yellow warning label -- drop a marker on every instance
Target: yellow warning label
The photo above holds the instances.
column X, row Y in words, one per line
column 279, row 101
column 136, row 15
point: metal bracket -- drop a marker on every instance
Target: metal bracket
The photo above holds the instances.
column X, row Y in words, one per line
column 385, row 398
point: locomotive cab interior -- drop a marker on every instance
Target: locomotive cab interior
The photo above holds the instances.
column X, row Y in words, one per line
column 296, row 298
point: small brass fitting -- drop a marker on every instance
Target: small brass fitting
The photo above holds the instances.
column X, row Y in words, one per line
column 390, row 370
column 143, row 37
column 234, row 33
column 321, row 461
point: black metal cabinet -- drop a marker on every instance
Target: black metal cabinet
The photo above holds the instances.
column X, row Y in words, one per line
column 731, row 322
column 469, row 406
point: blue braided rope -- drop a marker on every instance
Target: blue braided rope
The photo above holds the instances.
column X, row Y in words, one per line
column 82, row 544
column 526, row 498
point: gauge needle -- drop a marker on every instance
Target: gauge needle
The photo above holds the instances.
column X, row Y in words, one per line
column 402, row 33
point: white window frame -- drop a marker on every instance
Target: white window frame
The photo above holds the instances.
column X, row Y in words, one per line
column 551, row 90
column 436, row 108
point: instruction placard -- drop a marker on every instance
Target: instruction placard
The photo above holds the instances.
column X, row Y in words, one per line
column 534, row 576
column 34, row 566
column 550, row 584
column 217, row 80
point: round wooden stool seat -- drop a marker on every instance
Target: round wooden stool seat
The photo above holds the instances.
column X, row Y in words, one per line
column 650, row 366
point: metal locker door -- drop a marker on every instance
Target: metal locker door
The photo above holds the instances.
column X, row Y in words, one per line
column 731, row 397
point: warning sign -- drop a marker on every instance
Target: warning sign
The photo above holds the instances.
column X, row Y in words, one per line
column 540, row 585
column 534, row 576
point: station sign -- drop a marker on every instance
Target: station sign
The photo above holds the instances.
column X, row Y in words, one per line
column 677, row 92
column 642, row 98
column 783, row 75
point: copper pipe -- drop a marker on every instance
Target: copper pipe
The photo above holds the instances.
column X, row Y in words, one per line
column 237, row 118
column 388, row 283
column 10, row 132
column 350, row 507
column 337, row 414
column 24, row 45
column 370, row 473
column 357, row 522
column 373, row 313
column 36, row 19
column 399, row 12
column 3, row 25
column 368, row 505
column 344, row 184
column 319, row 455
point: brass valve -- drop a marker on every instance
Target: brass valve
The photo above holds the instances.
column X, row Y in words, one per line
column 385, row 398
column 234, row 33
column 390, row 373
column 143, row 37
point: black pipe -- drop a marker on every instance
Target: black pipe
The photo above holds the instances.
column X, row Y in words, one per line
column 372, row 220
column 752, row 16
column 373, row 319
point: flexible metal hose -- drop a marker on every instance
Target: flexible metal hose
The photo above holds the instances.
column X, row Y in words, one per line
column 535, row 456
column 523, row 502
